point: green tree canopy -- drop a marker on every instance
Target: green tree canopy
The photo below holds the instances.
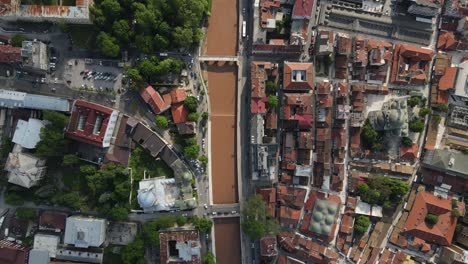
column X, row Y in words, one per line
column 272, row 101
column 202, row 224
column 209, row 258
column 431, row 219
column 203, row 160
column 205, row 116
column 192, row 151
column 70, row 159
column 26, row 213
column 413, row 101
column 362, row 224
column 191, row 103
column 182, row 220
column 407, row 142
column 256, row 222
column 383, row 191
column 271, row 87
column 424, row 111
column 193, row 117
column 121, row 29
column 369, row 136
column 416, row 126
column 52, row 140
column 161, row 121
column 118, row 214
column 134, row 253
column 71, row 199
column 436, row 118
column 17, row 40
column 107, row 44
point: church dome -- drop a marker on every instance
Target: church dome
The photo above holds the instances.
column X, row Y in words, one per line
column 146, row 199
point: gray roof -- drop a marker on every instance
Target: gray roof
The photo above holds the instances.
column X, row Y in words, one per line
column 39, row 257
column 323, row 217
column 13, row 99
column 85, row 232
column 446, row 160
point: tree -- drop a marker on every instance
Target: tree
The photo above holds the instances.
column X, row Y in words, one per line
column 455, row 213
column 52, row 141
column 193, row 117
column 436, row 118
column 271, row 87
column 17, row 40
column 137, row 79
column 454, row 203
column 111, row 9
column 205, row 116
column 118, row 214
column 182, row 220
column 202, row 224
column 256, row 222
column 58, row 120
column 70, row 159
column 369, row 136
column 209, row 258
column 424, row 111
column 191, row 103
column 6, row 147
column 88, row 169
column 443, row 107
column 203, row 160
column 161, row 121
column 13, row 198
column 71, row 199
column 413, row 101
column 362, row 224
column 183, row 37
column 416, row 126
column 122, row 31
column 272, row 101
column 383, row 191
column 108, row 45
column 26, row 213
column 134, row 252
column 407, row 142
column 431, row 219
column 192, row 151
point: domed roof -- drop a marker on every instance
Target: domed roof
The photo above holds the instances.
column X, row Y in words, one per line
column 329, row 219
column 315, row 227
column 318, row 216
column 326, row 230
column 393, row 118
column 379, row 119
column 320, row 206
column 146, row 199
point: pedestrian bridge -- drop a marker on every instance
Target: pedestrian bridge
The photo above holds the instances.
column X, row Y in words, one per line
column 218, row 58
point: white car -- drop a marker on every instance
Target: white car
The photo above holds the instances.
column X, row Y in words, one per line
column 206, row 206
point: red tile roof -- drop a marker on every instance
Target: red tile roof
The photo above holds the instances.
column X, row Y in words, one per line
column 268, row 247
column 188, row 237
column 9, row 54
column 415, row 53
column 52, row 221
column 298, row 76
column 258, row 105
column 344, row 45
column 302, row 9
column 271, row 120
column 259, row 75
column 157, row 103
column 409, row 153
column 442, row 232
column 269, row 197
column 447, row 81
column 179, row 113
column 291, row 196
column 12, row 253
column 178, row 95
column 298, row 107
column 289, row 217
column 89, row 114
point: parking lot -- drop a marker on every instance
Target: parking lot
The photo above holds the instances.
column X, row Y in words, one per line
column 100, row 76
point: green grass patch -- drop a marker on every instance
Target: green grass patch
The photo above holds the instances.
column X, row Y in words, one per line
column 141, row 161
column 84, row 36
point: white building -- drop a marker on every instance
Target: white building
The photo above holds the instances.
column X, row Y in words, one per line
column 48, row 243
column 157, row 194
column 24, row 169
column 34, row 55
column 27, row 133
column 84, row 232
column 14, row 99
